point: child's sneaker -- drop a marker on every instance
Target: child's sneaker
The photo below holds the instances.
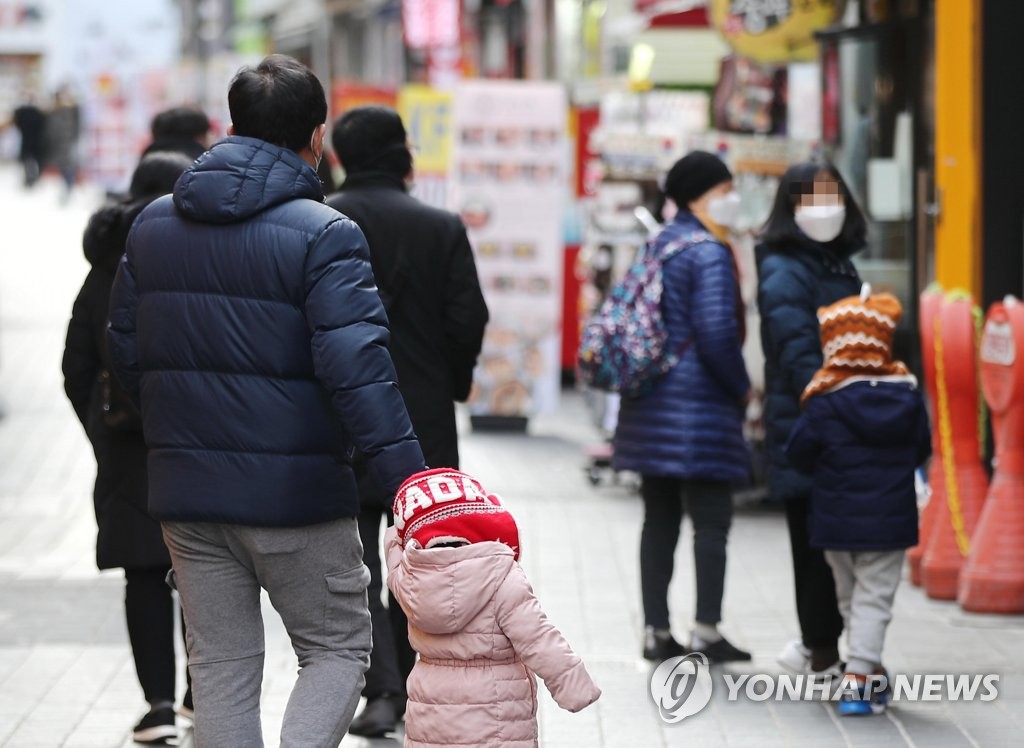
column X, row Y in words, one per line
column 880, row 698
column 862, row 695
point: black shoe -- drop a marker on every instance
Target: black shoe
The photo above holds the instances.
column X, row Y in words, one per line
column 659, row 646
column 720, row 651
column 378, row 718
column 156, row 727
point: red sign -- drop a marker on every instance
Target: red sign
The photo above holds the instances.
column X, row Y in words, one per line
column 347, row 95
column 429, row 24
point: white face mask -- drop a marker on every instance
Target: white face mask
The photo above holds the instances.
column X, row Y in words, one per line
column 724, row 209
column 822, row 223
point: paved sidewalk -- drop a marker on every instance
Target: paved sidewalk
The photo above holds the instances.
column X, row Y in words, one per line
column 66, row 675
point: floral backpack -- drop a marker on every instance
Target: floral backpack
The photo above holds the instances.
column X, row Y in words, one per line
column 624, row 345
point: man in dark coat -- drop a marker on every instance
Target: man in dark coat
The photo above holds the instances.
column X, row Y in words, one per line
column 427, row 280
column 245, row 316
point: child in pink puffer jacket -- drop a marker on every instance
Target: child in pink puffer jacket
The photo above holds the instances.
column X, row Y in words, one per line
column 480, row 632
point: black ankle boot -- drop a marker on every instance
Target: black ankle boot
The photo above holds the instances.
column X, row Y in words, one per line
column 378, row 718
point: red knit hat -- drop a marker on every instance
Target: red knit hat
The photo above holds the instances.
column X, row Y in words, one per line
column 445, row 505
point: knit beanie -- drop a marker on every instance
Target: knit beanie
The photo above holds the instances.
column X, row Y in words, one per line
column 856, row 340
column 445, row 505
column 693, row 175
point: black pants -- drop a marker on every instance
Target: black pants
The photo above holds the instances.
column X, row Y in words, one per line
column 816, row 606
column 149, row 610
column 392, row 658
column 709, row 505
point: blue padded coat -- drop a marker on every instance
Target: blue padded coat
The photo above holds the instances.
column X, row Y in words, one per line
column 244, row 315
column 792, row 283
column 861, row 444
column 691, row 424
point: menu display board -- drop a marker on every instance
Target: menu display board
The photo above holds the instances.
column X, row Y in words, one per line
column 509, row 182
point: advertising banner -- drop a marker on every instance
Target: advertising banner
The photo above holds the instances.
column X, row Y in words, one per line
column 427, row 114
column 509, row 182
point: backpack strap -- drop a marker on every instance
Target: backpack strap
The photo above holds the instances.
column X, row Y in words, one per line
column 686, row 241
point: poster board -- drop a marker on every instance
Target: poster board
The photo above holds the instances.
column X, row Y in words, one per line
column 509, row 182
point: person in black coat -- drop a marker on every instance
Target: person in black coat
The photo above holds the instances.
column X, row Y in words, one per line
column 181, row 129
column 427, row 279
column 803, row 263
column 127, row 536
column 31, row 123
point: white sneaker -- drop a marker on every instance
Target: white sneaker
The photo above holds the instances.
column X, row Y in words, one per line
column 795, row 657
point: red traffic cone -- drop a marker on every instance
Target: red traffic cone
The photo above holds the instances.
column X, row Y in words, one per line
column 956, row 419
column 931, row 303
column 992, row 580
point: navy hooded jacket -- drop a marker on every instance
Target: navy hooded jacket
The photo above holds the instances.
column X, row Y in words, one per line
column 690, row 425
column 861, row 444
column 245, row 317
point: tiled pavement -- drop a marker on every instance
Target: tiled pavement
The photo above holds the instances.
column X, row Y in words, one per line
column 66, row 676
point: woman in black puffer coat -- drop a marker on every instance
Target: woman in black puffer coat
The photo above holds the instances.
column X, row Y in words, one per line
column 803, row 263
column 127, row 536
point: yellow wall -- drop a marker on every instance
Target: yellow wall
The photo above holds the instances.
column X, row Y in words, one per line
column 958, row 248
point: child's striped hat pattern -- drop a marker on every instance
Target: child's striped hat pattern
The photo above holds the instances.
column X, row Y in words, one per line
column 856, row 340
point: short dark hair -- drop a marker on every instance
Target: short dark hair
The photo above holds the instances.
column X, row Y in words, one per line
column 180, row 122
column 156, row 174
column 280, row 101
column 372, row 138
column 780, row 230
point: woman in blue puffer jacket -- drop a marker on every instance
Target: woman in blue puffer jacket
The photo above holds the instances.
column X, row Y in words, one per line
column 685, row 437
column 803, row 263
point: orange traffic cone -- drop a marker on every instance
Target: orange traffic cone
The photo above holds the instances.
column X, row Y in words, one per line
column 956, row 419
column 931, row 302
column 992, row 580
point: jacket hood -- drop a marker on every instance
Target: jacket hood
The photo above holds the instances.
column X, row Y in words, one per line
column 883, row 410
column 241, row 177
column 447, row 587
column 107, row 233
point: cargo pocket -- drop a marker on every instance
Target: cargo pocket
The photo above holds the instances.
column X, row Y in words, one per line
column 346, row 614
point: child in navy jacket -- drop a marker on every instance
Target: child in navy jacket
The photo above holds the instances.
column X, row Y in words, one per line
column 863, row 432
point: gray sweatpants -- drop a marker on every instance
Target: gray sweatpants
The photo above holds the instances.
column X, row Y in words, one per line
column 866, row 583
column 316, row 581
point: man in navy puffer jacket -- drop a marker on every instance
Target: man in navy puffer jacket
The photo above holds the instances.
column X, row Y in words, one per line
column 245, row 316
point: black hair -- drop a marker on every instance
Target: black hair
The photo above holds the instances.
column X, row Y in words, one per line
column 180, row 122
column 780, row 229
column 156, row 174
column 372, row 138
column 280, row 101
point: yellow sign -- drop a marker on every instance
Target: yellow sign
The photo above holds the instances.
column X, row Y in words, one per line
column 427, row 114
column 774, row 30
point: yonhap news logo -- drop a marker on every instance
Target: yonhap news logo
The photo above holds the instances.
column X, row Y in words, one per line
column 682, row 687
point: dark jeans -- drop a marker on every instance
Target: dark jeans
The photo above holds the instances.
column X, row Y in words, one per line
column 816, row 606
column 149, row 611
column 709, row 504
column 392, row 658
